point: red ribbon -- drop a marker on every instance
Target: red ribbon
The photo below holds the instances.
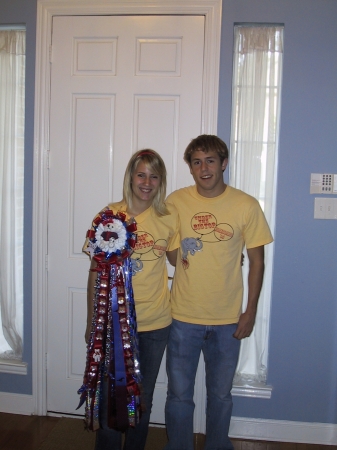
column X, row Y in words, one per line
column 91, row 234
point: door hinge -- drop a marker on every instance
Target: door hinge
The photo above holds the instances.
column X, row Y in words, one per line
column 46, row 262
column 46, row 361
column 50, row 54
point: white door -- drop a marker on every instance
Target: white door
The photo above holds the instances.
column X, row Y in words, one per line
column 118, row 84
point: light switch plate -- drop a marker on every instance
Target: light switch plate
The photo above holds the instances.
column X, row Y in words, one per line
column 319, row 211
column 325, row 208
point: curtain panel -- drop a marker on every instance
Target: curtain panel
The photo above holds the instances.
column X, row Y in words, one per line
column 253, row 161
column 12, row 104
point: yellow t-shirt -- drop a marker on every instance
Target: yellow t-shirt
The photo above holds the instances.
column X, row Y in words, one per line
column 155, row 235
column 207, row 287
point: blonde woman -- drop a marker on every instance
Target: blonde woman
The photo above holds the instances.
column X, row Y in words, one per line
column 144, row 193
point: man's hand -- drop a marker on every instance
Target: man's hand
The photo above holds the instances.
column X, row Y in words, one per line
column 245, row 326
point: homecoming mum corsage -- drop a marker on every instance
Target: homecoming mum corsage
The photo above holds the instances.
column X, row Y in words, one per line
column 112, row 350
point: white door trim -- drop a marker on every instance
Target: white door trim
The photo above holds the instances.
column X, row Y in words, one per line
column 46, row 9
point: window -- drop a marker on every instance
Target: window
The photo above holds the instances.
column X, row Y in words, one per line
column 12, row 108
column 258, row 54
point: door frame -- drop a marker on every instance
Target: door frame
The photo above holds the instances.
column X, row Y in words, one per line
column 46, row 9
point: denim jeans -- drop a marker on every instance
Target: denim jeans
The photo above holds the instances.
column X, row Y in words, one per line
column 221, row 353
column 151, row 349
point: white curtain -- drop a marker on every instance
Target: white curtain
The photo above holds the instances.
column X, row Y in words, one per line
column 257, row 73
column 12, row 101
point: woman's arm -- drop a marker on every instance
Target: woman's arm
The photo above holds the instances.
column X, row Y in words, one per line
column 90, row 298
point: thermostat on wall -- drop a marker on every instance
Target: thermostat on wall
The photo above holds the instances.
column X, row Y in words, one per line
column 323, row 183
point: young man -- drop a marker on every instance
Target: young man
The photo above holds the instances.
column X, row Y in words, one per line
column 216, row 223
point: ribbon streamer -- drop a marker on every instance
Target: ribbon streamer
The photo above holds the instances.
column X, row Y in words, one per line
column 112, row 350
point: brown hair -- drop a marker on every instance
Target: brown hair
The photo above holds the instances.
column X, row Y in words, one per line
column 206, row 143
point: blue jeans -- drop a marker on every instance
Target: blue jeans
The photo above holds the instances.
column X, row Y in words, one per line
column 221, row 353
column 151, row 349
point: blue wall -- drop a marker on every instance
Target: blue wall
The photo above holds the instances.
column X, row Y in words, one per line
column 303, row 339
column 302, row 355
column 24, row 12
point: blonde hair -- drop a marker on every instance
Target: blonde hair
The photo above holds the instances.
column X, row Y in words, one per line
column 153, row 162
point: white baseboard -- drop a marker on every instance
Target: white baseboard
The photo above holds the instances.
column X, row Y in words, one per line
column 283, row 431
column 16, row 403
column 241, row 427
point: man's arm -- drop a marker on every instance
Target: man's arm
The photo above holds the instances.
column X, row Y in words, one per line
column 172, row 257
column 255, row 278
column 90, row 295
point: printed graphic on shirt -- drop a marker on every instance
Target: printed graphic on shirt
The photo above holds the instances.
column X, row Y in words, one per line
column 191, row 245
column 205, row 225
column 146, row 249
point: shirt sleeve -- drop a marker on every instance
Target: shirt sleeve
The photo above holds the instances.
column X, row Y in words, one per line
column 256, row 230
column 174, row 241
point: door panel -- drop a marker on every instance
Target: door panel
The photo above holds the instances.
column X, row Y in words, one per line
column 118, row 84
